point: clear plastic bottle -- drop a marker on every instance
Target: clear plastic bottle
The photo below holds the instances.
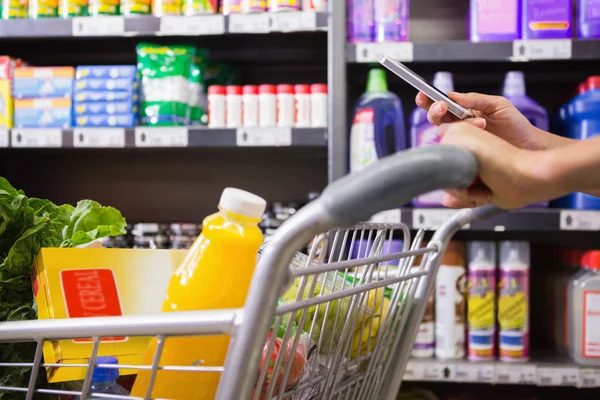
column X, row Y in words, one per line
column 104, row 380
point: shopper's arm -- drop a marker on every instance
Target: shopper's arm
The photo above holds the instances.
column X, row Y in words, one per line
column 552, row 141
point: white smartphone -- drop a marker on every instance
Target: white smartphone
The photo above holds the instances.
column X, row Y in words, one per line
column 422, row 85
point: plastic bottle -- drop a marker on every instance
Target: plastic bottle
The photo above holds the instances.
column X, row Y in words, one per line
column 361, row 21
column 285, row 106
column 250, row 106
column 252, row 6
column 302, row 106
column 547, row 19
column 513, row 302
column 378, row 127
column 216, row 106
column 450, row 304
column 495, row 21
column 424, row 133
column 284, row 5
column 318, row 105
column 391, row 20
column 104, row 380
column 571, row 261
column 588, row 17
column 267, row 106
column 233, row 106
column 216, row 274
column 573, row 282
column 481, row 301
column 424, row 346
column 585, row 312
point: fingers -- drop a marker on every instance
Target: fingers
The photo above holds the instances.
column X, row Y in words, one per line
column 479, row 102
column 467, row 198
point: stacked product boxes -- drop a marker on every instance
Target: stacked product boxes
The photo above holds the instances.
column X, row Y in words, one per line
column 7, row 66
column 43, row 97
column 106, row 96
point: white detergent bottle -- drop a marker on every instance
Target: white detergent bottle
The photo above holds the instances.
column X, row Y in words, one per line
column 585, row 312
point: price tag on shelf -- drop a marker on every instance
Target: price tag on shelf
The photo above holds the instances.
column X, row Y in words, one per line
column 387, row 217
column 263, row 137
column 413, row 371
column 99, row 137
column 560, row 49
column 192, row 25
column 250, row 23
column 589, row 378
column 516, row 375
column 432, row 219
column 373, row 52
column 558, row 376
column 478, row 373
column 98, row 26
column 174, row 136
column 4, row 135
column 294, row 22
column 36, row 137
column 572, row 220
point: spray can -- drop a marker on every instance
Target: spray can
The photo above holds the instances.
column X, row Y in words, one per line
column 481, row 301
column 513, row 302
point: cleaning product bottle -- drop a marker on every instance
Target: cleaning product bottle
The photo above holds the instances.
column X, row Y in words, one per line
column 513, row 301
column 588, row 26
column 391, row 20
column 361, row 21
column 571, row 261
column 495, row 21
column 573, row 282
column 215, row 274
column 585, row 311
column 514, row 90
column 104, row 380
column 378, row 127
column 548, row 19
column 424, row 133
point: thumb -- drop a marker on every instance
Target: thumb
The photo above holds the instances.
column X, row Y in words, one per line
column 478, row 102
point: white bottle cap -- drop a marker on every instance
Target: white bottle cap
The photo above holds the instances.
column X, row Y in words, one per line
column 243, row 203
column 443, row 81
column 514, row 84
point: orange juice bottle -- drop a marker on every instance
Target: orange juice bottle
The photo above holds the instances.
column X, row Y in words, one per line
column 215, row 274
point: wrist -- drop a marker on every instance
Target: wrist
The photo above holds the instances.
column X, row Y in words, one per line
column 546, row 177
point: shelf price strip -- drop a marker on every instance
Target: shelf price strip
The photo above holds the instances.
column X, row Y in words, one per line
column 36, row 137
column 264, row 137
column 4, row 138
column 432, row 219
column 192, row 25
column 98, row 26
column 373, row 52
column 161, row 137
column 560, row 49
column 573, row 220
column 99, row 137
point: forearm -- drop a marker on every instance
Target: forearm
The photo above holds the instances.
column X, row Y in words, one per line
column 575, row 167
column 551, row 141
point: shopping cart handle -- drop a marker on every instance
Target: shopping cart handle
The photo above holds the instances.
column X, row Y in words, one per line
column 395, row 180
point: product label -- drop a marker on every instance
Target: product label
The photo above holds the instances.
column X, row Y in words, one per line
column 362, row 140
column 591, row 324
column 425, row 339
column 513, row 313
column 450, row 308
column 590, row 9
column 548, row 14
column 481, row 313
column 497, row 16
column 91, row 293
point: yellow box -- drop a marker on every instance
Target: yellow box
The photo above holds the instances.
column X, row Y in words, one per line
column 94, row 282
column 6, row 104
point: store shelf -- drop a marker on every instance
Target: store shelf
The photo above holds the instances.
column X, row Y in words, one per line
column 537, row 373
column 169, row 25
column 520, row 220
column 145, row 137
column 464, row 51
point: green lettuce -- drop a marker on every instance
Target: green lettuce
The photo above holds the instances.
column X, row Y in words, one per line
column 27, row 225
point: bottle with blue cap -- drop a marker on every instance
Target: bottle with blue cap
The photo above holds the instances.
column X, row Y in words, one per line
column 104, row 380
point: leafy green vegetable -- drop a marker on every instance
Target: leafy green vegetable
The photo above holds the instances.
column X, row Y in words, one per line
column 27, row 225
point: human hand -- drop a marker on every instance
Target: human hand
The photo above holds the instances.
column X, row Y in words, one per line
column 513, row 177
column 493, row 113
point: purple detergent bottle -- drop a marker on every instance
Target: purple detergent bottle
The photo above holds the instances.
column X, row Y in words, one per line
column 361, row 21
column 391, row 20
column 423, row 133
column 495, row 20
column 514, row 91
column 547, row 19
column 589, row 19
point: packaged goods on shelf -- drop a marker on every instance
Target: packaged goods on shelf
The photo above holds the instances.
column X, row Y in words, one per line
column 231, row 6
column 103, row 7
column 233, row 106
column 199, row 7
column 302, row 103
column 588, row 26
column 7, row 66
column 105, row 107
column 361, row 21
column 285, row 106
column 267, row 106
column 316, row 5
column 43, row 113
column 106, row 84
column 126, row 120
column 252, row 6
column 319, row 105
column 132, row 95
column 132, row 8
column 106, row 72
column 14, row 9
column 166, row 7
column 72, row 8
column 547, row 20
column 43, row 9
column 284, row 5
column 150, row 235
column 250, row 106
column 495, row 21
column 36, row 82
column 391, row 20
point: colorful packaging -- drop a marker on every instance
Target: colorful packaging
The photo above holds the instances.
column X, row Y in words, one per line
column 495, row 21
column 72, row 8
column 125, row 84
column 131, row 95
column 481, row 301
column 6, row 104
column 513, row 303
column 131, row 8
column 43, row 9
column 63, row 277
column 106, row 71
column 166, row 7
column 199, row 7
column 198, row 100
column 284, row 5
column 250, row 6
column 231, row 6
column 314, row 5
column 13, row 9
column 42, row 113
column 103, row 7
column 106, row 107
column 547, row 19
column 391, row 20
column 107, row 120
column 589, row 19
column 361, row 21
column 35, row 82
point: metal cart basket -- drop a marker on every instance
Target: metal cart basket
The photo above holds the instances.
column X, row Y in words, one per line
column 351, row 308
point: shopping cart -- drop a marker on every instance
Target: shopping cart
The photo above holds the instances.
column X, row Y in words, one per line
column 355, row 310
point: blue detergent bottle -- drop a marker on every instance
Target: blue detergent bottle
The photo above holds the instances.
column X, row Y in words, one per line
column 423, row 133
column 104, row 380
column 378, row 124
column 585, row 116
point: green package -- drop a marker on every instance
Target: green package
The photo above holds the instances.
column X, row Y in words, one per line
column 198, row 99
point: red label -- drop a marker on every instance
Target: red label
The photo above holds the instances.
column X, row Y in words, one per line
column 91, row 293
column 366, row 116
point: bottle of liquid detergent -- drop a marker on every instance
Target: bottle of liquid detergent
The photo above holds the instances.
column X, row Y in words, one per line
column 391, row 20
column 514, row 91
column 378, row 127
column 104, row 380
column 361, row 21
column 589, row 19
column 495, row 21
column 549, row 19
column 215, row 274
column 424, row 133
